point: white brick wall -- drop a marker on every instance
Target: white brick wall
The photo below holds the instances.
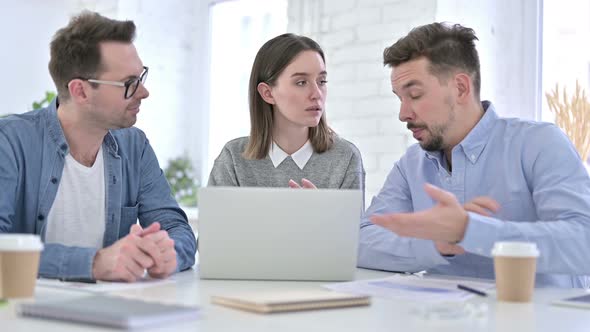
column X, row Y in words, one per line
column 337, row 6
column 105, row 7
column 361, row 106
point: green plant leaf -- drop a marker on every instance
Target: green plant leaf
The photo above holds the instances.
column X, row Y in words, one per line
column 180, row 176
column 49, row 96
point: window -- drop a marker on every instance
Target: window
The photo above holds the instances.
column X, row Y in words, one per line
column 238, row 30
column 566, row 51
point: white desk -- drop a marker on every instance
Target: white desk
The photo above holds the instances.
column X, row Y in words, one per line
column 382, row 315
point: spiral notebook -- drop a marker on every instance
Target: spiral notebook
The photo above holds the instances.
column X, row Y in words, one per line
column 282, row 301
column 109, row 311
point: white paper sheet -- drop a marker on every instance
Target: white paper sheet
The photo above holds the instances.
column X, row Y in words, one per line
column 413, row 288
column 103, row 286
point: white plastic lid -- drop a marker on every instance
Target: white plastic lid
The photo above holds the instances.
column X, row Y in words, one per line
column 515, row 249
column 20, row 242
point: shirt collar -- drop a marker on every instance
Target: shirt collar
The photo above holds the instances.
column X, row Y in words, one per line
column 54, row 127
column 300, row 157
column 474, row 143
column 57, row 135
column 476, row 140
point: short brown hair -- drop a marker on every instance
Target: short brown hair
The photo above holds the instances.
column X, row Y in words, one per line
column 75, row 51
column 272, row 58
column 447, row 47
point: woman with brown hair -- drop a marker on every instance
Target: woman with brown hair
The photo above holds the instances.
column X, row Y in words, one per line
column 290, row 141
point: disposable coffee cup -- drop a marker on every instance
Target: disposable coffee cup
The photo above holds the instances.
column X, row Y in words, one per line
column 515, row 264
column 19, row 264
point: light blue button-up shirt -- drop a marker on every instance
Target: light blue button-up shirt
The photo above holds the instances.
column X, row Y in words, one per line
column 32, row 157
column 530, row 168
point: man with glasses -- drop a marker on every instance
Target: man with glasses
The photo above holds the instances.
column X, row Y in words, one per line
column 81, row 176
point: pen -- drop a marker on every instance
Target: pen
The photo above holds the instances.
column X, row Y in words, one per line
column 415, row 274
column 84, row 280
column 471, row 290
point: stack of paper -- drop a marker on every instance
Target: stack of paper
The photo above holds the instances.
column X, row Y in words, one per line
column 103, row 286
column 413, row 288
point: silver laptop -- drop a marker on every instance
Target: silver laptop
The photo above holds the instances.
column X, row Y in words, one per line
column 278, row 233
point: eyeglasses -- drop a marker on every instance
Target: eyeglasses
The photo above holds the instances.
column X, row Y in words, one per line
column 130, row 86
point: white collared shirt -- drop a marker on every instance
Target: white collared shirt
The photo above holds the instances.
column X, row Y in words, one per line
column 300, row 157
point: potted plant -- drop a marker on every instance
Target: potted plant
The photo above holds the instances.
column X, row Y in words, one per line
column 49, row 96
column 180, row 176
column 572, row 115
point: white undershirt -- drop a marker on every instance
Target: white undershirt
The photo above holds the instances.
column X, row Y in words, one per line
column 77, row 216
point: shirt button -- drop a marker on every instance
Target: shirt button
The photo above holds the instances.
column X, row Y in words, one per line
column 54, row 180
column 40, row 217
column 64, row 147
column 472, row 157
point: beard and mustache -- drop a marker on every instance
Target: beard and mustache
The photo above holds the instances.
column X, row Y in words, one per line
column 435, row 141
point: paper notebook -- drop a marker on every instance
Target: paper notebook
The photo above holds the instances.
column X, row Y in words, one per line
column 109, row 311
column 268, row 302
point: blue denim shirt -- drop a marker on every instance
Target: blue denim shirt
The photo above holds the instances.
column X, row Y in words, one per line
column 32, row 156
column 530, row 168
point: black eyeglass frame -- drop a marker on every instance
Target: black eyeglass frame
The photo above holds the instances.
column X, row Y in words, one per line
column 131, row 83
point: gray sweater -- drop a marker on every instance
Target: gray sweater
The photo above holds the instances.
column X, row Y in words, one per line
column 341, row 167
